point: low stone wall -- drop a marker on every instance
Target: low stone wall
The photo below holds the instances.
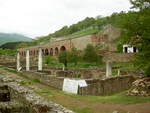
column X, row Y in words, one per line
column 56, row 82
column 85, row 73
column 107, row 86
column 95, row 86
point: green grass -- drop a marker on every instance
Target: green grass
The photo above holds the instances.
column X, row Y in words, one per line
column 44, row 91
column 84, row 32
column 79, row 65
column 125, row 65
column 35, row 80
column 24, row 82
column 119, row 99
column 82, row 110
column 114, row 98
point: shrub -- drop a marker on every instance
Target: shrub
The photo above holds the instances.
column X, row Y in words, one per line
column 49, row 60
column 46, row 59
column 73, row 56
column 63, row 58
column 147, row 71
column 90, row 54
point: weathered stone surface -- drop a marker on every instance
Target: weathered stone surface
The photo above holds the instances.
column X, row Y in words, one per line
column 140, row 87
column 107, row 85
column 4, row 93
column 34, row 103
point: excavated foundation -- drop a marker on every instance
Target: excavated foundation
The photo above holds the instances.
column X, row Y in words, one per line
column 10, row 103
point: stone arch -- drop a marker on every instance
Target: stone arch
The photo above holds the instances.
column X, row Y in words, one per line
column 46, row 52
column 30, row 52
column 56, row 51
column 24, row 53
column 37, row 52
column 51, row 51
column 34, row 52
column 63, row 48
column 43, row 51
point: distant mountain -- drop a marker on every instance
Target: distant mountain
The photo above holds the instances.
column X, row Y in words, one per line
column 10, row 45
column 13, row 37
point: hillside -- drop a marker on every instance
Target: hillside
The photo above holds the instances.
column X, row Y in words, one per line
column 10, row 45
column 87, row 26
column 12, row 37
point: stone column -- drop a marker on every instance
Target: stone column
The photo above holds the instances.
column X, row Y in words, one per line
column 108, row 68
column 40, row 60
column 18, row 61
column 27, row 60
column 118, row 72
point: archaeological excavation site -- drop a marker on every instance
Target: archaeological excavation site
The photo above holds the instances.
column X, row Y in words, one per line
column 29, row 83
column 98, row 61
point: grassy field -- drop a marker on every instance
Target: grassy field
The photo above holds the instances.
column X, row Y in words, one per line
column 84, row 32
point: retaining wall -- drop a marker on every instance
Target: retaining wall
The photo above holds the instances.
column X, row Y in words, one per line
column 107, row 86
column 95, row 86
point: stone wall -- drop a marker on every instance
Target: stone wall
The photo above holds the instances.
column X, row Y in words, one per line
column 85, row 73
column 56, row 82
column 107, row 86
column 95, row 86
column 32, row 102
column 117, row 57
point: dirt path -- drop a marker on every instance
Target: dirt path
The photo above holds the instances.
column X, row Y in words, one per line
column 81, row 103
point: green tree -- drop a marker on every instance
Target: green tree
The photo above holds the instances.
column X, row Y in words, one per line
column 73, row 56
column 90, row 54
column 137, row 25
column 63, row 58
column 140, row 4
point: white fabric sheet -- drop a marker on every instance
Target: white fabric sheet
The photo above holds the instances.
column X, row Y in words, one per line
column 71, row 86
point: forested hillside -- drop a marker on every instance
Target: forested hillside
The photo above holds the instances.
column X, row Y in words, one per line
column 8, row 37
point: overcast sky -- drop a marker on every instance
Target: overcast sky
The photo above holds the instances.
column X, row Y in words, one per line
column 41, row 17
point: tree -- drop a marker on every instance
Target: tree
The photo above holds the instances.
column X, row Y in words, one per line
column 63, row 58
column 90, row 54
column 137, row 25
column 73, row 56
column 140, row 4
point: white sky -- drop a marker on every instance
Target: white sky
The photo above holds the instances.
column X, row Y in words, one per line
column 41, row 17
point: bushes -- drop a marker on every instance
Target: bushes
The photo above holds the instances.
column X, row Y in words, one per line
column 63, row 58
column 50, row 60
column 89, row 56
column 7, row 52
column 73, row 56
column 147, row 71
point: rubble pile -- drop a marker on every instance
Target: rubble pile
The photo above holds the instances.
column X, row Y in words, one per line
column 140, row 87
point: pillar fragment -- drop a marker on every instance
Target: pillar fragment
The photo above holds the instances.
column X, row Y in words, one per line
column 40, row 60
column 27, row 60
column 18, row 61
column 108, row 68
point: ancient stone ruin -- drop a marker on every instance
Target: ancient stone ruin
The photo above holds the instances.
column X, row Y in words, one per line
column 140, row 87
column 15, row 98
